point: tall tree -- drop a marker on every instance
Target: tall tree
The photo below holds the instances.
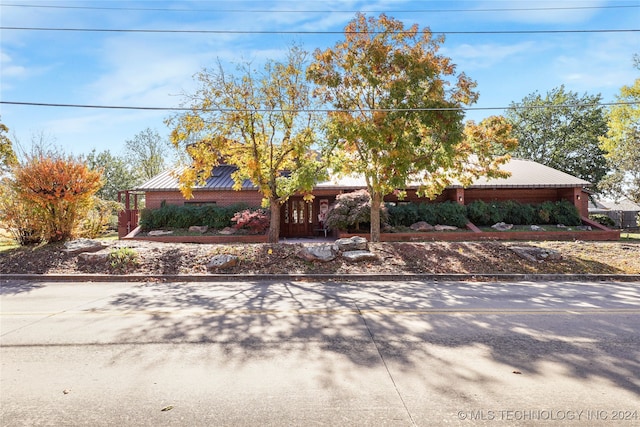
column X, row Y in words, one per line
column 561, row 130
column 147, row 152
column 622, row 142
column 7, row 155
column 117, row 175
column 398, row 110
column 255, row 121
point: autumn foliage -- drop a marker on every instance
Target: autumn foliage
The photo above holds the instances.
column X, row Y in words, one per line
column 58, row 190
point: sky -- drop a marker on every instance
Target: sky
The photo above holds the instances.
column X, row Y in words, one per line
column 156, row 69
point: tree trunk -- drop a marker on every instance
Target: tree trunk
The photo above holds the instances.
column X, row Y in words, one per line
column 376, row 201
column 274, row 225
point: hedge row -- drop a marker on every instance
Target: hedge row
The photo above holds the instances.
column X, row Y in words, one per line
column 447, row 213
column 512, row 212
column 482, row 213
column 173, row 216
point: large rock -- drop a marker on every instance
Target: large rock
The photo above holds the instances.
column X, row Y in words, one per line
column 322, row 253
column 535, row 254
column 228, row 231
column 444, row 227
column 222, row 261
column 156, row 233
column 83, row 245
column 355, row 243
column 99, row 257
column 421, row 226
column 501, row 226
column 357, row 256
column 198, row 229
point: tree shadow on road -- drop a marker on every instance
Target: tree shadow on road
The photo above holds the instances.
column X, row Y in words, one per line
column 405, row 325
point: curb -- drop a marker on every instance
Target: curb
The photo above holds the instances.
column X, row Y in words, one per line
column 505, row 277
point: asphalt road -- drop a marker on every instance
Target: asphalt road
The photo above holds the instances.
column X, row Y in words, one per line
column 297, row 353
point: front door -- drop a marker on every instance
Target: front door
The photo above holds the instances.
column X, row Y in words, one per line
column 296, row 218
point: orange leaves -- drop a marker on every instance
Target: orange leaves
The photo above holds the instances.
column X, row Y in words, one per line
column 43, row 180
column 61, row 190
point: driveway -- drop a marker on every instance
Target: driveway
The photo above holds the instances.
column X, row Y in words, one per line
column 298, row 353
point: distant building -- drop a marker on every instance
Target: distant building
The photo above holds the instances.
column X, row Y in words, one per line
column 624, row 213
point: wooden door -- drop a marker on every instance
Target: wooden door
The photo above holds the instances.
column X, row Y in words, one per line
column 297, row 218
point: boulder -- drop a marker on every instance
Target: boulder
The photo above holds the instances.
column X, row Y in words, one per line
column 222, row 261
column 228, row 231
column 357, row 256
column 584, row 228
column 536, row 228
column 535, row 254
column 501, row 226
column 322, row 253
column 198, row 229
column 155, row 233
column 82, row 245
column 444, row 227
column 421, row 226
column 355, row 243
column 99, row 257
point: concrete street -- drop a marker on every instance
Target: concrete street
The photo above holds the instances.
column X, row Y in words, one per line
column 301, row 353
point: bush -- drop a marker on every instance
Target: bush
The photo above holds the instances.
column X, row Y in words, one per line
column 123, row 260
column 447, row 213
column 172, row 216
column 351, row 210
column 602, row 219
column 256, row 221
column 21, row 219
column 512, row 212
column 59, row 189
column 98, row 219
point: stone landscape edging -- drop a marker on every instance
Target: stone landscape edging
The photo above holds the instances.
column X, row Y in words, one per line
column 458, row 277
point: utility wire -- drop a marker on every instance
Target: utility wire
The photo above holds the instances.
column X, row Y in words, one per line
column 516, row 9
column 113, row 30
column 316, row 110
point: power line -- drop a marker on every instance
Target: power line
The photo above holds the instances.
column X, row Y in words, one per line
column 315, row 110
column 113, row 30
column 142, row 9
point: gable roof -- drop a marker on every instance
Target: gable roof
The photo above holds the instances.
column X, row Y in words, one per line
column 524, row 174
column 624, row 205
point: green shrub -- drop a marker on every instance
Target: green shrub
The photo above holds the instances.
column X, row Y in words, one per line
column 173, row 216
column 512, row 212
column 603, row 219
column 566, row 213
column 447, row 213
column 123, row 259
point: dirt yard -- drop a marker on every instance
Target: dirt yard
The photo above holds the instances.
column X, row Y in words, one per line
column 432, row 257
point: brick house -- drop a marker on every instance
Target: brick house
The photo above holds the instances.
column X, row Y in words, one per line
column 530, row 182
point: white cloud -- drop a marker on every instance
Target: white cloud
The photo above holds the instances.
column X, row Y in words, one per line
column 470, row 56
column 9, row 69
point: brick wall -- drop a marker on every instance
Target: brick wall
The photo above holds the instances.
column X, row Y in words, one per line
column 154, row 199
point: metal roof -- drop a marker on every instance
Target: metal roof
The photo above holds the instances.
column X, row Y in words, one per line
column 524, row 174
column 220, row 179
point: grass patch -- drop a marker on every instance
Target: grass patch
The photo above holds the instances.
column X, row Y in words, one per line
column 635, row 236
